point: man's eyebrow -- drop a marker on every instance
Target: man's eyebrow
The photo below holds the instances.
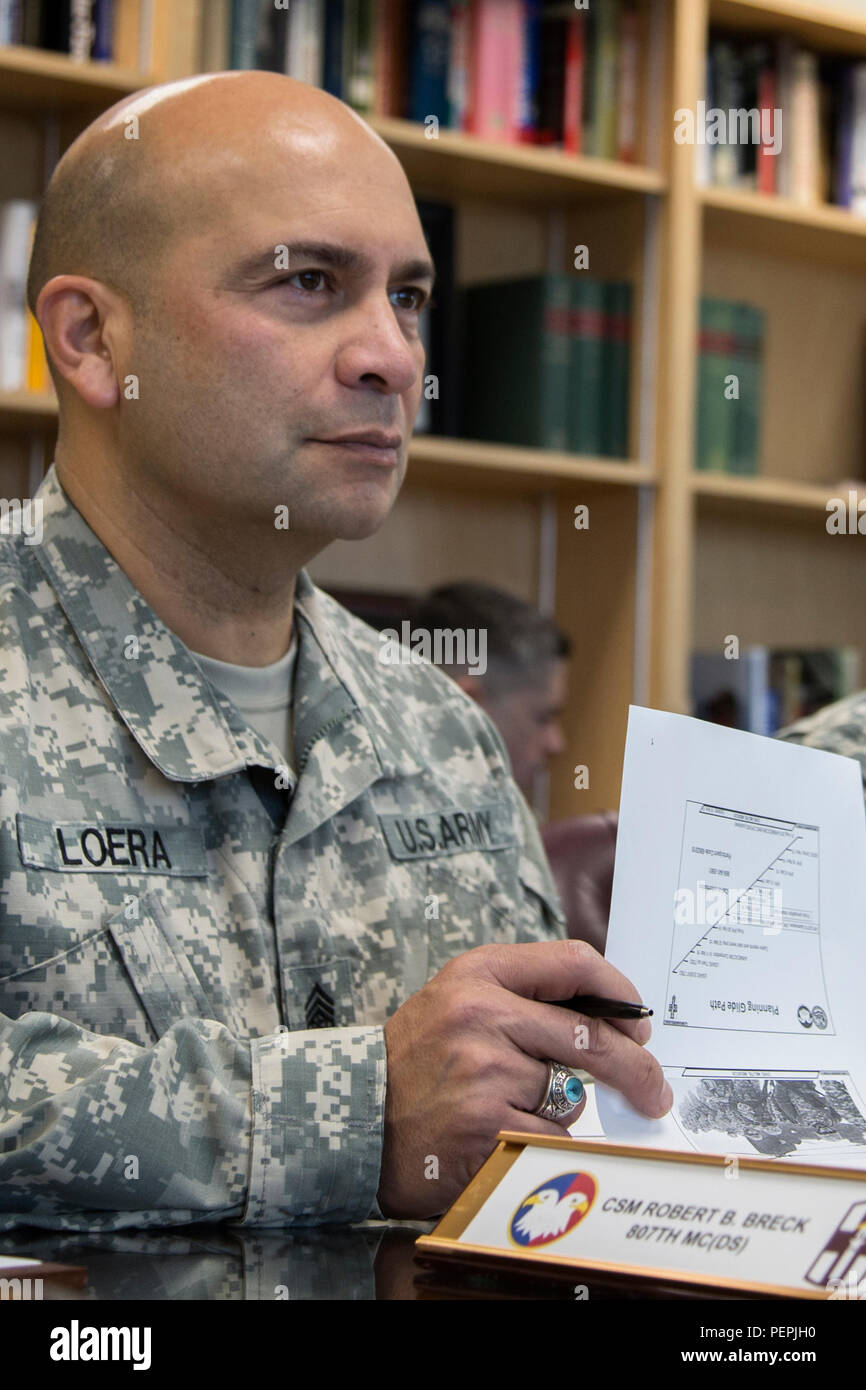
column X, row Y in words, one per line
column 327, row 253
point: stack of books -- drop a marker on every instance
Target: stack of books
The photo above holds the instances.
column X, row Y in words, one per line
column 813, row 152
column 550, row 362
column 82, row 29
column 534, row 71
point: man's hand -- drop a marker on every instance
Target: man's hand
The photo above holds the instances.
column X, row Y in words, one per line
column 467, row 1056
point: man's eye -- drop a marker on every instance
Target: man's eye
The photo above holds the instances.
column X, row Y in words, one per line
column 418, row 297
column 304, row 275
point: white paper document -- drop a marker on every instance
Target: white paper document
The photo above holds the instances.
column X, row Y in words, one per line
column 739, row 912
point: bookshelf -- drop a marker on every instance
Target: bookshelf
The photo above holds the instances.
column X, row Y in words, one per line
column 674, row 559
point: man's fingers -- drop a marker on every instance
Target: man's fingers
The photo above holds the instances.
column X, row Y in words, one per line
column 533, row 1124
column 544, row 1031
column 552, row 970
column 547, row 1031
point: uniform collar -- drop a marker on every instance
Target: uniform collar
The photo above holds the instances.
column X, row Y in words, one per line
column 187, row 729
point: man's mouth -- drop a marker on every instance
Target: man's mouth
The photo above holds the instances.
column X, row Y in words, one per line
column 375, row 446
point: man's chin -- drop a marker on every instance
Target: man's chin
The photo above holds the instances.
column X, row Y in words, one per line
column 359, row 528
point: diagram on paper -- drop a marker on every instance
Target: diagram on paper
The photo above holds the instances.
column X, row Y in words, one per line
column 808, row 1116
column 746, row 931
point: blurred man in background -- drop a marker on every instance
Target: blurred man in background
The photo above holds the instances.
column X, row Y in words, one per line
column 523, row 690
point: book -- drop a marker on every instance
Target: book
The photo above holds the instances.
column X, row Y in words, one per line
column 17, row 219
column 529, row 73
column 573, row 77
column 768, row 104
column 728, row 155
column 244, row 33
column 492, row 107
column 11, row 22
column 552, row 47
column 458, row 64
column 516, row 335
column 616, row 375
column 804, row 129
column 628, row 84
column 586, row 367
column 785, row 54
column 306, row 41
column 729, row 387
column 603, row 141
column 748, row 327
column 332, row 74
column 440, row 414
column 429, row 56
column 712, row 413
column 359, row 23
column 389, row 63
column 214, row 48
column 845, row 138
column 858, row 155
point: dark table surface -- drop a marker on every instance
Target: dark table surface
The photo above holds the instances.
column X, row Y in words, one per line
column 375, row 1260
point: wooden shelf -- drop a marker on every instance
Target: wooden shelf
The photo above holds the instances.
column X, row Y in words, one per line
column 818, row 23
column 499, row 465
column 765, row 222
column 784, row 495
column 27, row 409
column 34, row 77
column 462, row 163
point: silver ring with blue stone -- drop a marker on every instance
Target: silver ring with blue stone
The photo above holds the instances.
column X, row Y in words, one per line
column 563, row 1094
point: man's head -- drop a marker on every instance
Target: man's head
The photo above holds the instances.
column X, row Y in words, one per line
column 196, row 357
column 523, row 688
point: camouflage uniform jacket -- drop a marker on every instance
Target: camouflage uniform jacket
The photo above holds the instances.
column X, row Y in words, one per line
column 837, row 728
column 192, row 989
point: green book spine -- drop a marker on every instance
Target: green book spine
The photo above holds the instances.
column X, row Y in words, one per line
column 606, row 60
column 616, row 374
column 714, row 423
column 748, row 365
column 359, row 51
column 517, row 350
column 586, row 366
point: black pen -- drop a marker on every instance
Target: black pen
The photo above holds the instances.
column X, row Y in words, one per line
column 593, row 1006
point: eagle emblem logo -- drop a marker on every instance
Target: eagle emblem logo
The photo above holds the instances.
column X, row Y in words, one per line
column 552, row 1209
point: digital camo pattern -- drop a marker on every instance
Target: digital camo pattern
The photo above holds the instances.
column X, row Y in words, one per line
column 837, row 728
column 166, row 956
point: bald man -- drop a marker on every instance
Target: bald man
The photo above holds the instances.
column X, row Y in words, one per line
column 275, row 918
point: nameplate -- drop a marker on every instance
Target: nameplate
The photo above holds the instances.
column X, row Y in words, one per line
column 429, row 834
column 749, row 1225
column 111, row 847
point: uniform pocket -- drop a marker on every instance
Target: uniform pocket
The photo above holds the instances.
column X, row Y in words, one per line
column 129, row 979
column 163, row 979
column 86, row 983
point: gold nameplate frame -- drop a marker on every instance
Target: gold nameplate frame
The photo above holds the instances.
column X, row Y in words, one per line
column 744, row 1225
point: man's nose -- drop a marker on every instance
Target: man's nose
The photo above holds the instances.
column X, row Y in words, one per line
column 377, row 345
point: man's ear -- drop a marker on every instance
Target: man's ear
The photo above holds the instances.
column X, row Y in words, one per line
column 77, row 317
